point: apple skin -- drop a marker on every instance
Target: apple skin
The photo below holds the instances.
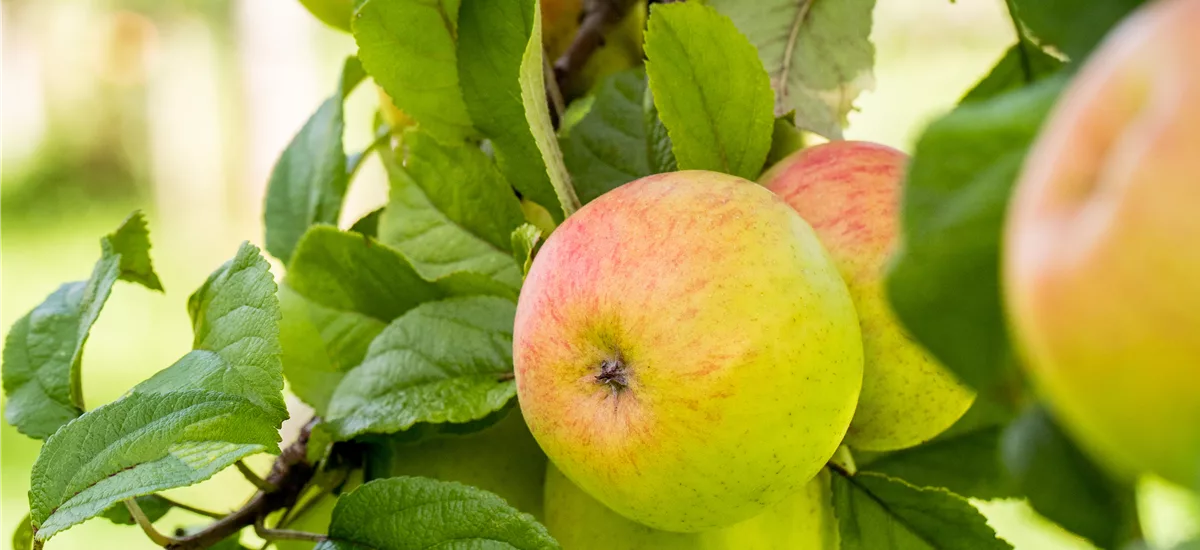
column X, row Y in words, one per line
column 1101, row 258
column 686, row 351
column 503, row 459
column 803, row 521
column 850, row 192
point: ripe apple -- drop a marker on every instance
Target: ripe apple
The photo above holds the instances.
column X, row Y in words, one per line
column 686, row 351
column 1102, row 255
column 803, row 521
column 850, row 192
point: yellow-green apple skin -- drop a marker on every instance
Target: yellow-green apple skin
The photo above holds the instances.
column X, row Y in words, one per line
column 335, row 13
column 1102, row 255
column 503, row 459
column 850, row 192
column 686, row 351
column 802, row 521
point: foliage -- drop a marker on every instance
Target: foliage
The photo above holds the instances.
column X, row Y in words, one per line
column 401, row 326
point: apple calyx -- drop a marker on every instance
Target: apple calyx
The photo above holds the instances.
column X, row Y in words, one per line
column 613, row 374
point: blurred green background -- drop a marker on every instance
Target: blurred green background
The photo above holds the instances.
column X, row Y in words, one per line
column 180, row 107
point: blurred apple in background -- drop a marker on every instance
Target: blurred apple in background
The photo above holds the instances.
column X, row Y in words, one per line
column 1102, row 255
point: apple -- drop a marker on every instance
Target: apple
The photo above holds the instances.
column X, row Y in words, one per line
column 503, row 459
column 803, row 521
column 335, row 13
column 850, row 192
column 1102, row 248
column 686, row 351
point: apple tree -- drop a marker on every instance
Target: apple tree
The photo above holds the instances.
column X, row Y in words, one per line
column 498, row 121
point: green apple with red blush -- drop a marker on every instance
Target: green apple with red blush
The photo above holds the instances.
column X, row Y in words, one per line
column 850, row 192
column 686, row 351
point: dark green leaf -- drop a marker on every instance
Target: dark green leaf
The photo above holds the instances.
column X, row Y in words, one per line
column 341, row 290
column 310, row 178
column 659, row 152
column 43, row 350
column 608, row 147
column 1072, row 26
column 500, row 62
column 154, row 506
column 1024, row 63
column 965, row 459
column 710, row 88
column 22, row 538
column 438, row 248
column 819, row 55
column 944, row 279
column 462, row 183
column 876, row 512
column 1063, row 484
column 525, row 242
column 219, row 403
column 408, row 47
column 368, row 225
column 442, row 362
column 404, row 513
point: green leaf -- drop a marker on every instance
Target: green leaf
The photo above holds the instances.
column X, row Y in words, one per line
column 1063, row 484
column 500, row 63
column 235, row 349
column 525, row 242
column 408, row 47
column 22, row 538
column 438, row 248
column 462, row 183
column 1074, row 27
column 310, row 178
column 607, row 148
column 786, row 139
column 154, row 506
column 341, row 290
column 967, row 465
column 965, row 459
column 403, row 513
column 219, row 403
column 132, row 242
column 368, row 225
column 711, row 91
column 1023, row 63
column 659, row 151
column 141, row 444
column 819, row 55
column 944, row 279
column 442, row 362
column 44, row 349
column 875, row 511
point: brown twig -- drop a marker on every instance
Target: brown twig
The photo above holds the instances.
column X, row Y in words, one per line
column 260, row 483
column 599, row 17
column 290, row 474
